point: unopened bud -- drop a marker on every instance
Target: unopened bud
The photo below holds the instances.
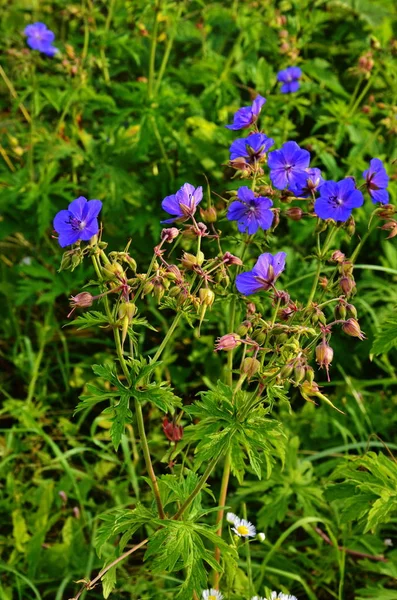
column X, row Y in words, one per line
column 337, row 256
column 351, row 310
column 158, row 291
column 309, row 374
column 244, row 328
column 227, row 342
column 286, row 371
column 392, row 227
column 82, row 300
column 386, row 211
column 127, row 309
column 259, row 337
column 63, row 496
column 351, row 327
column 350, row 226
column 340, row 311
column 250, row 366
column 261, row 536
column 173, row 432
column 229, row 259
column 324, row 355
column 148, row 288
column 189, row 261
column 169, row 234
column 299, row 373
column 347, row 285
column 295, row 213
column 209, row 214
column 206, row 296
column 113, row 270
column 251, row 308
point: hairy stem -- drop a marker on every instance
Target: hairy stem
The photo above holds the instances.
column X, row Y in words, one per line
column 221, row 512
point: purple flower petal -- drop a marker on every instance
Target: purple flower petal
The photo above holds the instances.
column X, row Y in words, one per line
column 171, row 205
column 245, row 193
column 91, row 210
column 247, row 284
column 381, row 196
column 77, row 207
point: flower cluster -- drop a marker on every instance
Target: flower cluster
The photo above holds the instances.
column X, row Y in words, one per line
column 40, row 38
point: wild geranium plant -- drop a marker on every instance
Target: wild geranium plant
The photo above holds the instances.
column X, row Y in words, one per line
column 269, row 343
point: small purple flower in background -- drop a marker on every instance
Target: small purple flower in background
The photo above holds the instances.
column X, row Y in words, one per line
column 313, row 181
column 263, row 275
column 183, row 204
column 40, row 38
column 250, row 212
column 246, row 116
column 337, row 200
column 251, row 148
column 377, row 181
column 79, row 222
column 288, row 166
column 290, row 79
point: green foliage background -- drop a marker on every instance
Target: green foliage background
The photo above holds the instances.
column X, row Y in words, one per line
column 121, row 119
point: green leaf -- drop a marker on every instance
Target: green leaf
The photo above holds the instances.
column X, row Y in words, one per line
column 122, row 415
column 89, row 319
column 386, row 338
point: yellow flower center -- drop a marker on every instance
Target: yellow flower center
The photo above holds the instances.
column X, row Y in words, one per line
column 212, row 598
column 243, row 530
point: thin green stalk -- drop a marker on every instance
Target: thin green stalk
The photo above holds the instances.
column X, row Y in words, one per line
column 327, row 243
column 198, row 487
column 37, row 363
column 361, row 96
column 168, row 48
column 152, row 57
column 162, row 149
column 13, row 93
column 221, row 512
column 146, row 454
column 168, row 336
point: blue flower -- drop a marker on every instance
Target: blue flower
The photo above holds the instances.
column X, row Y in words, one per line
column 337, row 200
column 79, row 222
column 250, row 212
column 377, row 181
column 40, row 38
column 290, row 79
column 251, row 148
column 313, row 181
column 246, row 116
column 263, row 275
column 183, row 204
column 288, row 166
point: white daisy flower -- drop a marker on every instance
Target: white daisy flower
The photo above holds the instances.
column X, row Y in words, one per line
column 281, row 596
column 244, row 528
column 212, row 595
column 231, row 517
column 257, row 598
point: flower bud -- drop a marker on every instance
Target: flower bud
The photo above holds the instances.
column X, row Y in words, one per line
column 295, row 213
column 386, row 211
column 309, row 374
column 227, row 342
column 324, row 355
column 347, row 285
column 158, row 290
column 244, row 328
column 113, row 270
column 229, row 259
column 390, row 226
column 251, row 308
column 351, row 327
column 82, row 300
column 351, row 310
column 209, row 214
column 189, row 261
column 148, row 288
column 173, row 432
column 286, row 371
column 350, row 226
column 131, row 262
column 299, row 373
column 261, row 536
column 340, row 311
column 250, row 366
column 174, row 291
column 259, row 337
column 169, row 234
column 206, row 296
column 127, row 309
column 276, row 218
column 337, row 257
